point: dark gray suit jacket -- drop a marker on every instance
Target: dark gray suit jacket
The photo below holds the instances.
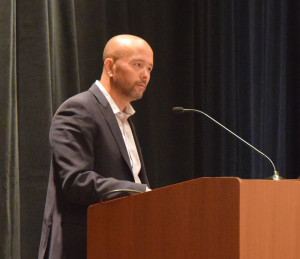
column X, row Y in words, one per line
column 89, row 158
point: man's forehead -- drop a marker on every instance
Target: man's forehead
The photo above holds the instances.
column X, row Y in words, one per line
column 141, row 53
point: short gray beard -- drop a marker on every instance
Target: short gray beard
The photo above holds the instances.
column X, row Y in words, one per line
column 130, row 93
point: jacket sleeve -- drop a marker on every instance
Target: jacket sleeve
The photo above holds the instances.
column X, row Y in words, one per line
column 72, row 137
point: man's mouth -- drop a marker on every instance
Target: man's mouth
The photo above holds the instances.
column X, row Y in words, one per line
column 142, row 85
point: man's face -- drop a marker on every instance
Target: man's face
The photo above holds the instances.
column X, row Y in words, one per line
column 132, row 72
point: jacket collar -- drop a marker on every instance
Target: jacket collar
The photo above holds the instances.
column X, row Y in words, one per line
column 111, row 121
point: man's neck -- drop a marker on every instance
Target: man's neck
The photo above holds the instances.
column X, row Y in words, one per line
column 119, row 100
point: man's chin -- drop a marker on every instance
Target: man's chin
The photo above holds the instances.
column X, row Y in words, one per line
column 137, row 96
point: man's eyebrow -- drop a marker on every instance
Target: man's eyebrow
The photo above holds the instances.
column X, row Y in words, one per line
column 138, row 59
column 141, row 60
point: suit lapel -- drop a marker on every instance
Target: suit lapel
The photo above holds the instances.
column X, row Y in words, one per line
column 111, row 121
column 142, row 174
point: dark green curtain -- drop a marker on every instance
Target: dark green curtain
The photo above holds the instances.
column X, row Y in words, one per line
column 236, row 60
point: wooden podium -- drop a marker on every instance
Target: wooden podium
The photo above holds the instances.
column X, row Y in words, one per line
column 202, row 218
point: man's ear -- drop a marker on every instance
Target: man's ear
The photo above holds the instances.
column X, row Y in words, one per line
column 108, row 65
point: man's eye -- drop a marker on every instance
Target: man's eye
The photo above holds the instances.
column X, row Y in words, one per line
column 138, row 64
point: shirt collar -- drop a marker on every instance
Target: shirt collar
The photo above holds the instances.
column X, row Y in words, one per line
column 128, row 111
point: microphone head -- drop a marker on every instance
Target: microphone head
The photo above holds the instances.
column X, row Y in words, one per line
column 178, row 109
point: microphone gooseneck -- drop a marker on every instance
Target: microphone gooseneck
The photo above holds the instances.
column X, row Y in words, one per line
column 275, row 176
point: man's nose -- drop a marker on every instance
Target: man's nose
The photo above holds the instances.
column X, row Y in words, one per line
column 145, row 73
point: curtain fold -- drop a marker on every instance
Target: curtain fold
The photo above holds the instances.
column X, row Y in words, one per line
column 63, row 51
column 10, row 237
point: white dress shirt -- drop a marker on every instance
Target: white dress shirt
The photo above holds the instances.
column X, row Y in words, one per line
column 122, row 119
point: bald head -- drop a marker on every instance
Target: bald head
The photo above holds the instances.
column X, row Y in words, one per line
column 122, row 45
column 127, row 65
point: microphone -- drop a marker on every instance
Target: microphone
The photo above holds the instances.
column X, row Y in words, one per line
column 275, row 176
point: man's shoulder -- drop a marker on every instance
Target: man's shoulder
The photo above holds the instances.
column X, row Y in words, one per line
column 87, row 102
column 93, row 94
column 83, row 101
column 85, row 98
column 82, row 96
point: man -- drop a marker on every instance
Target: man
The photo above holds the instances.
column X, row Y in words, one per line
column 94, row 147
